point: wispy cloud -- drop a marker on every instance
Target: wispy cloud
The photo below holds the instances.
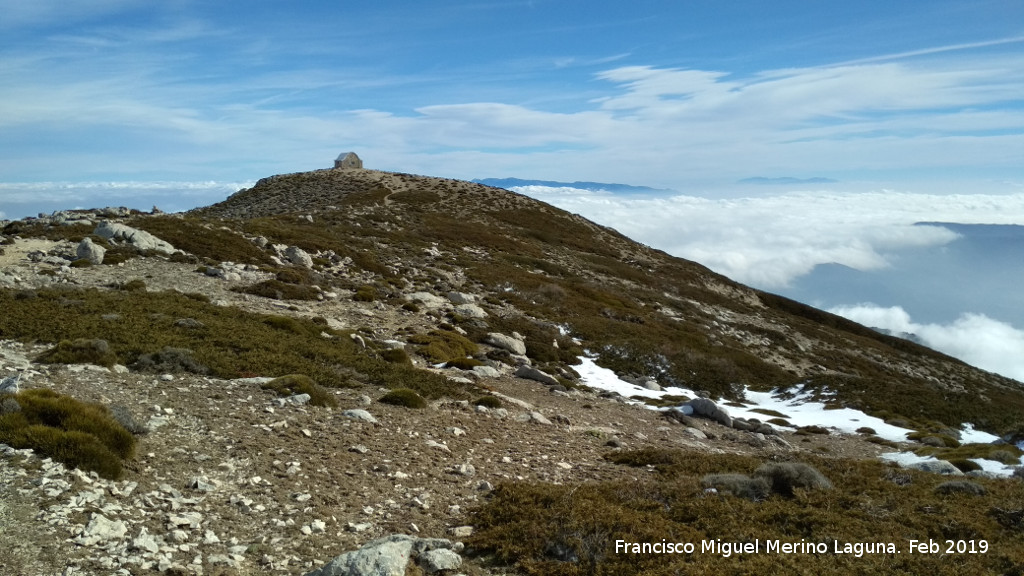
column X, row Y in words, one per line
column 974, row 338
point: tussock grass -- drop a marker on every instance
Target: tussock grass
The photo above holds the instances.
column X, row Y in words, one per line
column 78, row 434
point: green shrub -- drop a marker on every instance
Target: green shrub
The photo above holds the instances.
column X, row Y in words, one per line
column 135, row 284
column 78, row 434
column 293, row 384
column 404, row 397
column 440, row 346
column 395, row 356
column 491, row 402
column 785, row 477
column 278, row 290
column 410, row 307
column 80, row 351
column 295, row 276
column 866, row 430
column 81, row 263
column 170, row 360
column 366, row 293
column 464, row 363
column 965, row 465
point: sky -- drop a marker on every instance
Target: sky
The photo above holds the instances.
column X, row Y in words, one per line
column 861, row 118
column 692, row 96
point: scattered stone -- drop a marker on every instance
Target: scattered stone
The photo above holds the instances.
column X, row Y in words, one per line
column 531, row 373
column 88, row 250
column 439, row 560
column 464, row 470
column 298, row 257
column 470, row 311
column 140, row 239
column 101, row 529
column 935, row 467
column 361, row 415
column 708, row 409
column 388, row 556
column 513, row 345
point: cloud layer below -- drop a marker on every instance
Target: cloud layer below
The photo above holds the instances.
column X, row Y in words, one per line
column 768, row 241
column 974, row 338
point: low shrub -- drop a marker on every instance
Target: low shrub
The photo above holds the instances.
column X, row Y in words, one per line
column 293, row 384
column 78, row 434
column 80, row 351
column 488, row 402
column 960, row 487
column 135, row 284
column 404, row 397
column 866, row 430
column 785, row 477
column 169, row 360
column 464, row 363
column 81, row 263
column 366, row 293
column 739, row 485
column 814, row 429
column 278, row 290
column 440, row 346
column 964, row 465
column 294, row 276
column 395, row 356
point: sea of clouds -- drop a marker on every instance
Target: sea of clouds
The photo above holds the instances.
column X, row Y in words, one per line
column 769, row 241
column 21, row 199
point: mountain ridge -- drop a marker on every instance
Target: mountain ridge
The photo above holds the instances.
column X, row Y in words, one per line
column 441, row 328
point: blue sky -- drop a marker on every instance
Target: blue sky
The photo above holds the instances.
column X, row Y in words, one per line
column 690, row 95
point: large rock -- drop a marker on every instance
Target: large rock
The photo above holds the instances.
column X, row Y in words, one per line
column 139, row 238
column 438, row 560
column 459, row 298
column 89, row 250
column 509, row 343
column 426, row 299
column 531, row 373
column 298, row 257
column 708, row 409
column 935, row 467
column 470, row 311
column 390, row 556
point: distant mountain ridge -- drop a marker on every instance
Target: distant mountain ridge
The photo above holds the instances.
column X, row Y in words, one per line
column 594, row 186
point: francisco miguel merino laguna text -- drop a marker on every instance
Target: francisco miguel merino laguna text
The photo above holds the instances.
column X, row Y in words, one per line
column 726, row 549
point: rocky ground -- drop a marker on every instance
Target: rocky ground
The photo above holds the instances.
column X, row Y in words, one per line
column 232, row 480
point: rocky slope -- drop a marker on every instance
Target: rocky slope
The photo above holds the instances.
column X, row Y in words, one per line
column 370, row 281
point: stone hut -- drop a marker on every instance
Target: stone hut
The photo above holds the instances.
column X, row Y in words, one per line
column 348, row 161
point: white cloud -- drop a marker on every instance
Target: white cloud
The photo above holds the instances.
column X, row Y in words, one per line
column 768, row 241
column 974, row 338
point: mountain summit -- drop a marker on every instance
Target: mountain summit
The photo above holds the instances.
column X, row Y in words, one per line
column 421, row 375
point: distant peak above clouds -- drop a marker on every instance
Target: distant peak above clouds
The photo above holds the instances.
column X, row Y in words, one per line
column 509, row 183
column 786, row 180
